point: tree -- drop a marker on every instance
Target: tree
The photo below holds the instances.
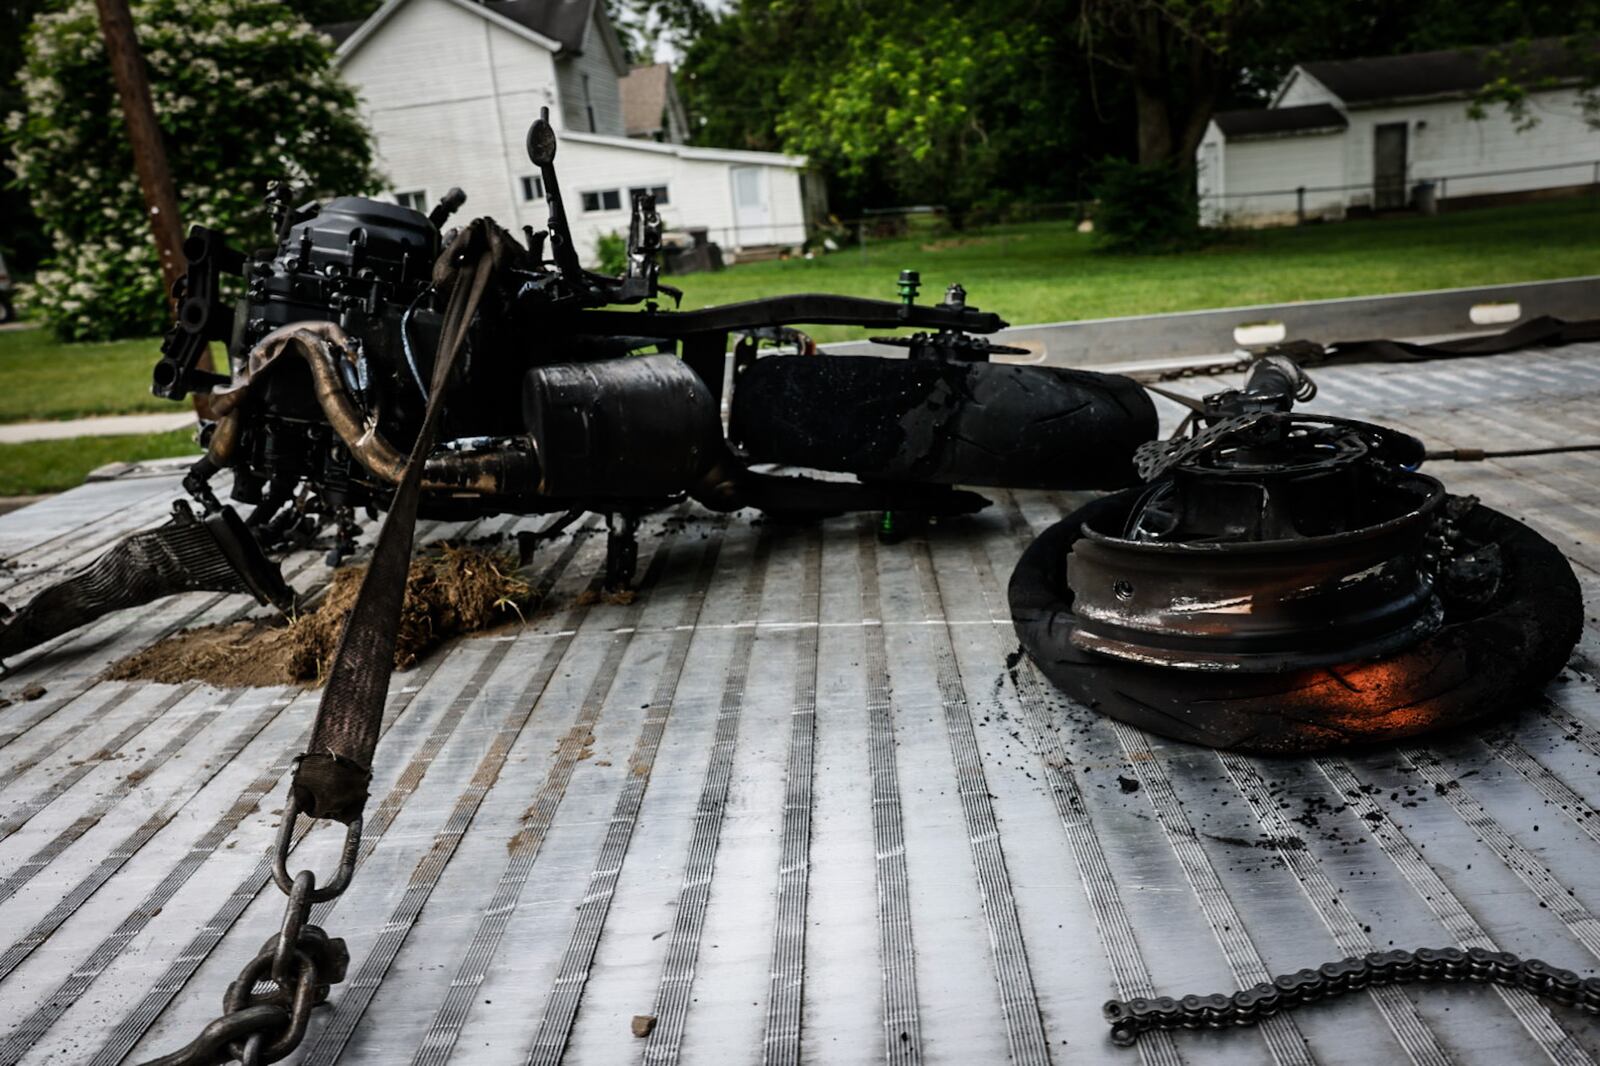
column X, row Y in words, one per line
column 901, row 102
column 1521, row 67
column 1186, row 59
column 1526, row 44
column 245, row 95
column 920, row 98
column 21, row 238
column 649, row 27
column 324, row 12
column 1180, row 57
column 1023, row 99
column 734, row 69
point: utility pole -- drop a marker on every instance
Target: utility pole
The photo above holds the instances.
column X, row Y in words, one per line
column 149, row 153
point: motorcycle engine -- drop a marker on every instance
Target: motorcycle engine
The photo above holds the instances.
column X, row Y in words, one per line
column 365, row 265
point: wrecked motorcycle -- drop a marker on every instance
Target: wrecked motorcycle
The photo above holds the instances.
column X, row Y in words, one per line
column 561, row 401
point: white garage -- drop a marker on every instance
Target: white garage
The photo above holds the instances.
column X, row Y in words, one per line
column 1395, row 132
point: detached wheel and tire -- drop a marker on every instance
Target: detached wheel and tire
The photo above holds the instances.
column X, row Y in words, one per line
column 1481, row 661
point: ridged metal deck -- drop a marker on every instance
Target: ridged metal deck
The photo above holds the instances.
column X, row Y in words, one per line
column 799, row 801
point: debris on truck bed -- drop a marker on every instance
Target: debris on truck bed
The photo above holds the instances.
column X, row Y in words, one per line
column 450, row 591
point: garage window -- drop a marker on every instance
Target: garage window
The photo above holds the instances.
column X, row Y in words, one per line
column 659, row 190
column 603, row 200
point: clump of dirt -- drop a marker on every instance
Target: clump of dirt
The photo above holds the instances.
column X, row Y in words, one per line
column 449, row 591
column 242, row 654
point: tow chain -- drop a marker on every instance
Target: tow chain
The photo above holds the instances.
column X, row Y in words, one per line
column 298, row 964
column 1252, row 1006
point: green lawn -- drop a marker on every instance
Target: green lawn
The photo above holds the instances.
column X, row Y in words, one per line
column 41, row 378
column 1047, row 272
column 54, row 465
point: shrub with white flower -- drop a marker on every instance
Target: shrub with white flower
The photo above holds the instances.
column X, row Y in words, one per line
column 245, row 93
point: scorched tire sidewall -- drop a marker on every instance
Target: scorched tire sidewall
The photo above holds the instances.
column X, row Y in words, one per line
column 1473, row 667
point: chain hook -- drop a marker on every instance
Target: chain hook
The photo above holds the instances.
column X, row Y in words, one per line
column 285, row 843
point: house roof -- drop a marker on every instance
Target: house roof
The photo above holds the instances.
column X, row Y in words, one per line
column 559, row 25
column 1280, row 121
column 684, row 151
column 644, row 98
column 1448, row 73
column 560, row 20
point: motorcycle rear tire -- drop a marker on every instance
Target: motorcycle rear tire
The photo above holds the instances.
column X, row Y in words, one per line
column 1477, row 665
column 950, row 423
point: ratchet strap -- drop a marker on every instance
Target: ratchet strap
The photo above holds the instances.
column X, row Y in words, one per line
column 1545, row 330
column 331, row 778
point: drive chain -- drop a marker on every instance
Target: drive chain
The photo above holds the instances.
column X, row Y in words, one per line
column 1251, row 1006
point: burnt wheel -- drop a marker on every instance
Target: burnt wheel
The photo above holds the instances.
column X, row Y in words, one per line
column 1480, row 661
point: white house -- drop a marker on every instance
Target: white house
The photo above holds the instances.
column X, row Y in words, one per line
column 449, row 87
column 1363, row 134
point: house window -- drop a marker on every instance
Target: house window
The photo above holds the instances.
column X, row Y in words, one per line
column 532, row 187
column 603, row 200
column 659, row 190
column 417, row 200
column 588, row 104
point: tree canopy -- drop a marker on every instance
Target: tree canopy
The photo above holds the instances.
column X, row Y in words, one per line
column 901, row 101
column 970, row 104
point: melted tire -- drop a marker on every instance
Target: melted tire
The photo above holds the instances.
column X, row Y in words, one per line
column 943, row 423
column 1475, row 666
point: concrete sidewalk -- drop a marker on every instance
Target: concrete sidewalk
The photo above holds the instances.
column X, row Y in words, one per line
column 112, row 426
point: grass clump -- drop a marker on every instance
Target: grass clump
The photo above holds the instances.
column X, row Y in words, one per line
column 450, row 591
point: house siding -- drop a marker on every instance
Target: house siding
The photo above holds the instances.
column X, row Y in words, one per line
column 1463, row 156
column 1210, row 179
column 701, row 194
column 1301, row 89
column 448, row 98
column 1259, row 177
column 595, row 61
column 449, row 95
column 1444, row 142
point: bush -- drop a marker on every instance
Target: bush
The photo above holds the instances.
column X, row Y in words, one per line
column 1146, row 207
column 246, row 95
column 611, row 253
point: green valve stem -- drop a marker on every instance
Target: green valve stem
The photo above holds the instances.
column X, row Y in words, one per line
column 889, row 530
column 910, row 282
